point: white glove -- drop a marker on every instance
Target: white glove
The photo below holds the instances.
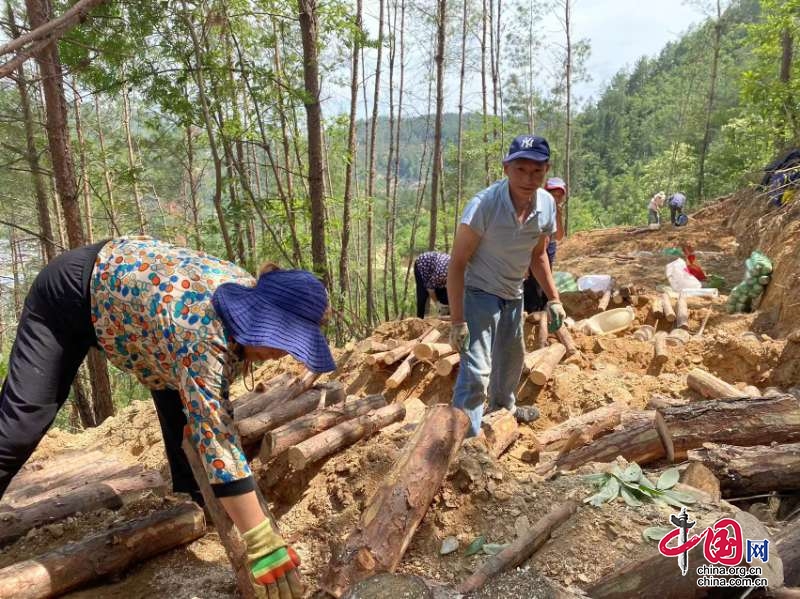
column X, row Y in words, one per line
column 459, row 336
column 444, row 310
column 556, row 314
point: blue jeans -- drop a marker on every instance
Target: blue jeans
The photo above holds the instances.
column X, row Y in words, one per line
column 492, row 364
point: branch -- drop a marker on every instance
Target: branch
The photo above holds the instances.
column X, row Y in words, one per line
column 54, row 28
column 38, row 236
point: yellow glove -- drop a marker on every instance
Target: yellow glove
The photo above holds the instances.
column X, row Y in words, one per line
column 272, row 562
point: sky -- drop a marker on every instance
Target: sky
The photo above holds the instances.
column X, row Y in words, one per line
column 619, row 32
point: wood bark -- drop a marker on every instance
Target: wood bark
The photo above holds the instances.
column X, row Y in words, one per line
column 520, row 550
column 544, row 367
column 126, row 125
column 699, row 477
column 608, row 416
column 111, row 552
column 500, row 430
column 282, row 438
column 660, row 351
column 709, row 386
column 602, row 305
column 436, row 172
column 460, row 134
column 392, row 514
column 316, row 186
column 281, row 389
column 445, row 365
column 565, row 338
column 253, row 428
column 568, row 107
column 751, row 470
column 656, row 308
column 531, row 359
column 666, row 306
column 342, row 435
column 111, row 494
column 682, row 313
column 788, row 547
column 541, row 330
column 712, row 89
column 432, row 351
column 402, row 372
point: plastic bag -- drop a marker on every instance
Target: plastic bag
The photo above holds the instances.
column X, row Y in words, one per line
column 679, row 276
column 746, row 295
column 565, row 282
column 594, row 282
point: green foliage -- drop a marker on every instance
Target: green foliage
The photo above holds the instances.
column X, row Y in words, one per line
column 635, row 488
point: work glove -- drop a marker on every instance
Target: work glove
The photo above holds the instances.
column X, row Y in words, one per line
column 555, row 315
column 459, row 336
column 444, row 310
column 273, row 563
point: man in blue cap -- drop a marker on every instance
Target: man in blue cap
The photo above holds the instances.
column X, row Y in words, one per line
column 504, row 231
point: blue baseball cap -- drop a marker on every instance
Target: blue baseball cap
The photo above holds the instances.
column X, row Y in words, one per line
column 285, row 310
column 528, row 147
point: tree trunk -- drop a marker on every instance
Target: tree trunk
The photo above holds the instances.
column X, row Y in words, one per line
column 751, row 470
column 554, row 437
column 444, row 366
column 110, row 209
column 87, row 198
column 441, row 28
column 487, row 170
column 568, row 81
column 107, row 554
column 459, row 142
column 392, row 514
column 308, row 30
column 712, row 90
column 132, row 162
column 343, row 435
column 543, row 370
column 194, row 207
column 396, row 168
column 282, row 438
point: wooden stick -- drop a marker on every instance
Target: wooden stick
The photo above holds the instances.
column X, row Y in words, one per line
column 541, row 330
column 342, row 435
column 445, row 365
column 242, row 404
column 666, row 306
column 616, row 297
column 277, row 394
column 500, row 430
column 402, row 372
column 432, row 351
column 682, row 313
column 565, row 338
column 110, row 493
column 282, row 438
column 656, row 308
column 111, row 552
column 392, row 514
column 521, row 549
column 660, row 351
column 607, row 417
column 602, row 305
column 543, row 369
column 703, row 326
column 253, row 428
column 430, row 336
column 709, row 386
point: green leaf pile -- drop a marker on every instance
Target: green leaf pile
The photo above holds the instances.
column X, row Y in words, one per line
column 635, row 488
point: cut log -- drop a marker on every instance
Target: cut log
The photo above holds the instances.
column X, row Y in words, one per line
column 531, row 359
column 109, row 553
column 253, row 428
column 282, row 438
column 602, row 305
column 521, row 549
column 709, row 386
column 565, row 338
column 656, row 309
column 658, row 401
column 51, row 472
column 701, row 478
column 342, row 435
column 682, row 313
column 430, row 336
column 392, row 514
column 241, row 404
column 666, row 306
column 751, row 470
column 111, row 494
column 402, row 372
column 500, row 430
column 372, row 346
column 608, row 417
column 276, row 394
column 660, row 351
column 432, row 351
column 445, row 365
column 544, row 367
column 788, row 547
column 541, row 330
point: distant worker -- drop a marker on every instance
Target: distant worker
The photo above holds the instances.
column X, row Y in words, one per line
column 185, row 324
column 534, row 297
column 677, row 201
column 654, row 208
column 430, row 273
column 503, row 231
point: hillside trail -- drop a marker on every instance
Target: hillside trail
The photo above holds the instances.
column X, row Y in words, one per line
column 497, row 499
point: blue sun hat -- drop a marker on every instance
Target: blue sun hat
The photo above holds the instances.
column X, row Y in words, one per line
column 284, row 310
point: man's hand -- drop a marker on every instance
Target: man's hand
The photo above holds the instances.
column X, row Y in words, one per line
column 459, row 336
column 556, row 315
column 273, row 563
column 444, row 310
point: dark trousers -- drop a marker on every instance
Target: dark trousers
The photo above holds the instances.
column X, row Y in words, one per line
column 422, row 294
column 674, row 213
column 534, row 298
column 54, row 334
